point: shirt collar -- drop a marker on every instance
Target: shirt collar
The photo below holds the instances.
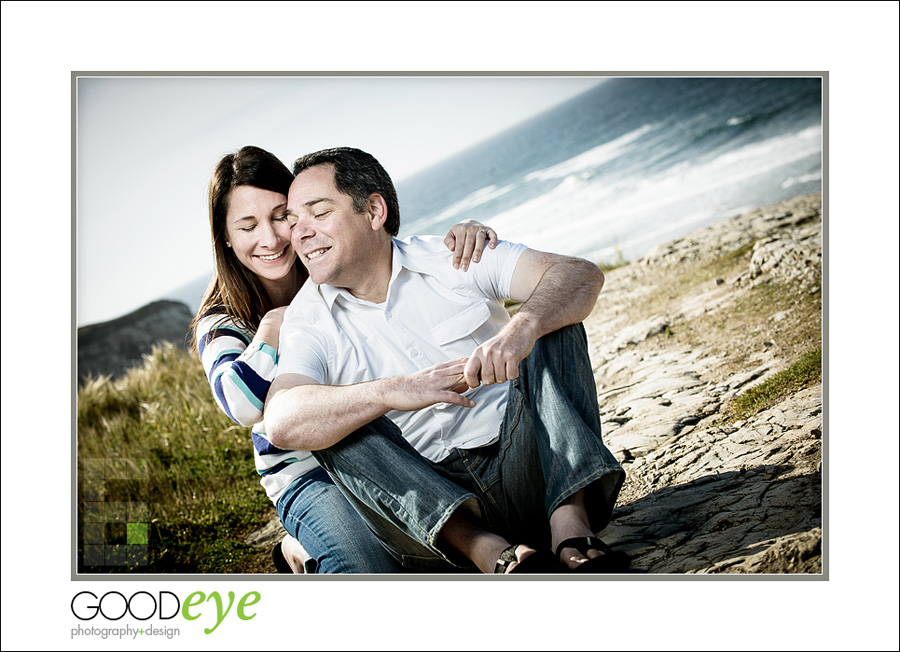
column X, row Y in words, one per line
column 330, row 294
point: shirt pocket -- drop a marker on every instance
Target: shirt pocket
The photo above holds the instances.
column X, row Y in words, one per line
column 456, row 335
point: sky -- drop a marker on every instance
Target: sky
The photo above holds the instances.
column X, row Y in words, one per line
column 146, row 147
column 856, row 43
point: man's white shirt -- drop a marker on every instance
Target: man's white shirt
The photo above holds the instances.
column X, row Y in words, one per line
column 433, row 313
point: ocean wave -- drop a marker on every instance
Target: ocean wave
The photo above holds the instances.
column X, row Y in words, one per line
column 809, row 139
column 806, row 178
column 590, row 159
column 738, row 120
column 583, row 216
column 470, row 201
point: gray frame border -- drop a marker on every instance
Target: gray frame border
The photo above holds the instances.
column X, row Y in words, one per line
column 75, row 576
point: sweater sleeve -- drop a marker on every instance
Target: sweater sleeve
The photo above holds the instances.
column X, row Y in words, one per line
column 239, row 375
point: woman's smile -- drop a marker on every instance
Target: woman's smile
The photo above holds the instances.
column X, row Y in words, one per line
column 272, row 257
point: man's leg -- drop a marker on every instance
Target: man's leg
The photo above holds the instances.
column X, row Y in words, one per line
column 551, row 466
column 423, row 518
column 399, row 495
column 556, row 385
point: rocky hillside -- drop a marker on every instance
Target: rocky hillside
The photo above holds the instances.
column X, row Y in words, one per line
column 676, row 339
column 112, row 347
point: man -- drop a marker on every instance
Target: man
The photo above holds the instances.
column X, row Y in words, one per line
column 500, row 456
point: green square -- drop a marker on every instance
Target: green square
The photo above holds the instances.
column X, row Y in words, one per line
column 137, row 533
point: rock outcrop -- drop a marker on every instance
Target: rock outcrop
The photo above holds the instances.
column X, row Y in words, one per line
column 111, row 348
column 675, row 339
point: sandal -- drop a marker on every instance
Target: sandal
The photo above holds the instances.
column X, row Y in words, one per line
column 611, row 561
column 541, row 561
column 281, row 564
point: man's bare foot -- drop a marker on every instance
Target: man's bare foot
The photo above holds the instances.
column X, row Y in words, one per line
column 568, row 521
column 294, row 554
column 509, row 563
column 481, row 547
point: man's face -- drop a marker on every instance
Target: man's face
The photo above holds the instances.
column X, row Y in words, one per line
column 331, row 239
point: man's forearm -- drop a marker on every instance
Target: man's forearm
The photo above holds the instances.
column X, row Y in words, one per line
column 565, row 295
column 313, row 417
column 302, row 415
column 561, row 291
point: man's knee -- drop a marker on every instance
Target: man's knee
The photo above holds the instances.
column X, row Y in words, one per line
column 561, row 349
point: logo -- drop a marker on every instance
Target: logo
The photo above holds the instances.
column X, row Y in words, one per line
column 165, row 605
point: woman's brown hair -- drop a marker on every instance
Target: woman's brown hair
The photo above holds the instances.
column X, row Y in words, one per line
column 235, row 291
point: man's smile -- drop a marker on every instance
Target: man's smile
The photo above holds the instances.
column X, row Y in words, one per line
column 316, row 253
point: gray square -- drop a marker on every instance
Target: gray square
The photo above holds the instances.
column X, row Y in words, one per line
column 115, row 555
column 95, row 533
column 138, row 513
column 93, row 555
column 117, row 512
column 138, row 468
column 94, row 469
column 137, row 555
column 95, row 512
column 94, row 494
column 117, row 469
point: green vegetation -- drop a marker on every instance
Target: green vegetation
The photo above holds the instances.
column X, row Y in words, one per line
column 711, row 267
column 512, row 307
column 156, row 441
column 618, row 261
column 804, row 372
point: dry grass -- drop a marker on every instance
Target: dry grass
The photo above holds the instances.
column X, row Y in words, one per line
column 155, row 437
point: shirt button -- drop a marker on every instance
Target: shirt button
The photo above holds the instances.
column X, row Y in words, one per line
column 414, row 353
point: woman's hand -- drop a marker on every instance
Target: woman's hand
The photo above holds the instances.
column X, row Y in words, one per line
column 269, row 328
column 466, row 240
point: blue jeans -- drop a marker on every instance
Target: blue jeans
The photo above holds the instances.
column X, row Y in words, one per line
column 314, row 512
column 549, row 447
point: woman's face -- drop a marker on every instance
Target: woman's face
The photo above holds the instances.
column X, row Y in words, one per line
column 258, row 230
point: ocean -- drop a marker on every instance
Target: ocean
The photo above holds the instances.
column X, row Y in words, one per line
column 629, row 164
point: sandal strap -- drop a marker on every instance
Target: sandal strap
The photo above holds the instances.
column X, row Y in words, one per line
column 583, row 544
column 507, row 557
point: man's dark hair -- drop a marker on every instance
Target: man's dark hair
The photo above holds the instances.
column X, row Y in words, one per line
column 357, row 174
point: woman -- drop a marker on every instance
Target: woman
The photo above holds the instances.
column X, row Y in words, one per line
column 236, row 333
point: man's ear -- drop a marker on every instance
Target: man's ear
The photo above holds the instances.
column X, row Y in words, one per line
column 377, row 211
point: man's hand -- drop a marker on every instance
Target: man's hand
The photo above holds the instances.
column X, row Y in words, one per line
column 497, row 360
column 304, row 415
column 442, row 383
